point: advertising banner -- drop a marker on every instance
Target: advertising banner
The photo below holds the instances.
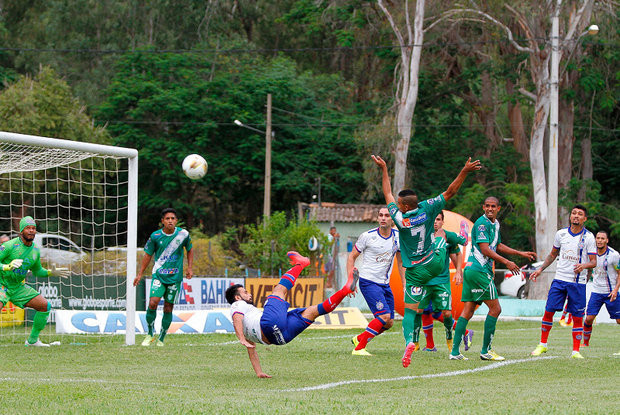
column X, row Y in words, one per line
column 10, row 315
column 306, row 292
column 199, row 293
column 111, row 322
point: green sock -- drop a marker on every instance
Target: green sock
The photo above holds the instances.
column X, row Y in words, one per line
column 489, row 332
column 40, row 320
column 408, row 322
column 165, row 324
column 447, row 323
column 461, row 326
column 417, row 325
column 150, row 320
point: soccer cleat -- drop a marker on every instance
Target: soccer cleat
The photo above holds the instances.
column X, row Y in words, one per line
column 426, row 349
column 467, row 338
column 148, row 340
column 491, row 355
column 360, row 352
column 564, row 323
column 159, row 343
column 576, row 355
column 458, row 357
column 449, row 343
column 411, row 347
column 296, row 259
column 354, row 277
column 464, row 232
column 540, row 349
column 39, row 343
column 355, row 341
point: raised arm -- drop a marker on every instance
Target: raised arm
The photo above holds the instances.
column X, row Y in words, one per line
column 456, row 184
column 386, row 185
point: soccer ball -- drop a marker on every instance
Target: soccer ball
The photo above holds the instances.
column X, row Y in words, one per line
column 195, row 166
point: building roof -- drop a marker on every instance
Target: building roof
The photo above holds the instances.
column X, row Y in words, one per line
column 335, row 212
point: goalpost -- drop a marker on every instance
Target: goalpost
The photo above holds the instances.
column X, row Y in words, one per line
column 84, row 198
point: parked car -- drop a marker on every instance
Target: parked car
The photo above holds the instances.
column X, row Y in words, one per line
column 515, row 285
column 58, row 249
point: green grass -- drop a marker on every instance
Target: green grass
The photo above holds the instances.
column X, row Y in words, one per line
column 210, row 374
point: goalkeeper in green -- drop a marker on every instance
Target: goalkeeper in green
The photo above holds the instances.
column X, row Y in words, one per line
column 17, row 257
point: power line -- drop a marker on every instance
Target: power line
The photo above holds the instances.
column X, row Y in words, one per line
column 331, row 125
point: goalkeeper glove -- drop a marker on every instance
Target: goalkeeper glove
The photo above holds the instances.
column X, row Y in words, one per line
column 59, row 272
column 16, row 263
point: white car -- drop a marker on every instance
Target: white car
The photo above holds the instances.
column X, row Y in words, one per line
column 58, row 249
column 514, row 285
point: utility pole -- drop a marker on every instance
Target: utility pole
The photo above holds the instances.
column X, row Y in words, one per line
column 267, row 197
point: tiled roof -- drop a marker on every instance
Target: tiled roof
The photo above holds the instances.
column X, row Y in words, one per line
column 334, row 212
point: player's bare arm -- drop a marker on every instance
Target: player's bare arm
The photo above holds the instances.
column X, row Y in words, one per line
column 351, row 263
column 488, row 252
column 506, row 250
column 588, row 265
column 548, row 261
column 456, row 184
column 238, row 325
column 457, row 260
column 401, row 269
column 614, row 293
column 190, row 263
column 145, row 263
column 254, row 360
column 386, row 185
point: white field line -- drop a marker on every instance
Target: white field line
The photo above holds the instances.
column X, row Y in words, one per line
column 401, row 378
column 342, row 336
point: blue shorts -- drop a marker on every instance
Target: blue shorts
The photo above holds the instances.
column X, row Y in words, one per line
column 378, row 296
column 279, row 325
column 596, row 302
column 558, row 293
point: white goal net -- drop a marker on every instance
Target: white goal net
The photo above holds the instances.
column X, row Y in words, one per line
column 83, row 198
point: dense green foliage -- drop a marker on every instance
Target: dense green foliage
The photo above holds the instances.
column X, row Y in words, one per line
column 169, row 77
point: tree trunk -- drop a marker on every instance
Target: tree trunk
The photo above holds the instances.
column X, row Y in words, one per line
column 409, row 72
column 515, row 117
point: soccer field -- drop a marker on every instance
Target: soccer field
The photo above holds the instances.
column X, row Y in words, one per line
column 314, row 374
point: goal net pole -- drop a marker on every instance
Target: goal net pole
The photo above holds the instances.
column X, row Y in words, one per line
column 132, row 201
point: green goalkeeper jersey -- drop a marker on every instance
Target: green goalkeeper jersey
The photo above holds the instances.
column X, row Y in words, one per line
column 416, row 230
column 167, row 251
column 16, row 249
column 484, row 231
column 447, row 246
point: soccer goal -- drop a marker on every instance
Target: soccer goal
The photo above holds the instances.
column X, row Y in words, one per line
column 84, row 199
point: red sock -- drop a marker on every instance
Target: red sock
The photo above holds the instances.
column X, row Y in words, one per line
column 577, row 332
column 569, row 318
column 332, row 302
column 440, row 318
column 289, row 277
column 373, row 330
column 427, row 327
column 587, row 332
column 547, row 323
